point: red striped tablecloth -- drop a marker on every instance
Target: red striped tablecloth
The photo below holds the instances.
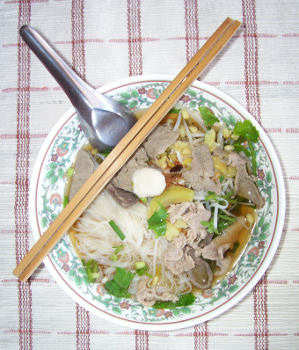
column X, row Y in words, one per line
column 107, row 40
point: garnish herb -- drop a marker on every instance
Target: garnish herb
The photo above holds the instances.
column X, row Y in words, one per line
column 106, row 152
column 174, row 110
column 184, row 300
column 118, row 248
column 117, row 230
column 141, row 268
column 157, row 222
column 221, row 178
column 211, row 196
column 114, row 256
column 92, row 270
column 247, row 133
column 143, row 200
column 120, row 283
column 224, row 221
column 253, row 158
column 208, row 116
column 240, row 148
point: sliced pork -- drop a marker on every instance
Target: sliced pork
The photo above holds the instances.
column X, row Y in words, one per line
column 149, row 295
column 192, row 213
column 123, row 178
column 200, row 176
column 176, row 258
column 83, row 168
column 159, row 140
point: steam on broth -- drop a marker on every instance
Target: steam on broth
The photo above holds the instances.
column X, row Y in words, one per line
column 177, row 217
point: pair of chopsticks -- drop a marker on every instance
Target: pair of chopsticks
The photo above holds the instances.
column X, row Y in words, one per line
column 125, row 148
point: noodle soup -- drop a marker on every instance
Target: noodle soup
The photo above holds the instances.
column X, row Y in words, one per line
column 177, row 216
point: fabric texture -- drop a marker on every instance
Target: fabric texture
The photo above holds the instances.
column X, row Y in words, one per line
column 107, row 40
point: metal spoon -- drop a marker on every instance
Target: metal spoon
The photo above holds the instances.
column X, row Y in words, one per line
column 103, row 120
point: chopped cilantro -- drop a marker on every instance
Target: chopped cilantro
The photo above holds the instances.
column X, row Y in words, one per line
column 246, row 131
column 184, row 300
column 141, row 268
column 221, row 178
column 223, row 222
column 157, row 222
column 253, row 158
column 106, row 152
column 92, row 270
column 143, row 200
column 174, row 110
column 117, row 230
column 208, row 116
column 118, row 248
column 211, row 196
column 114, row 256
column 240, row 148
column 120, row 283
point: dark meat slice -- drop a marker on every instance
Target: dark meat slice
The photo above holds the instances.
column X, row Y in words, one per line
column 83, row 168
column 159, row 140
column 125, row 198
column 244, row 184
column 123, row 178
column 246, row 188
column 201, row 275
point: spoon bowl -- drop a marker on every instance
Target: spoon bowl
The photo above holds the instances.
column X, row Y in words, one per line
column 104, row 121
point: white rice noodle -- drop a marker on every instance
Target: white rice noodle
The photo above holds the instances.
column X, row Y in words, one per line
column 228, row 183
column 179, row 157
column 225, row 186
column 198, row 135
column 220, row 137
column 215, row 223
column 155, row 255
column 178, row 121
column 96, row 238
column 195, row 115
column 188, row 131
column 134, row 285
column 200, row 195
column 222, row 206
column 101, row 156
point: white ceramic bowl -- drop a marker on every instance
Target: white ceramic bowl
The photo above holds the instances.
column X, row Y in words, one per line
column 46, row 193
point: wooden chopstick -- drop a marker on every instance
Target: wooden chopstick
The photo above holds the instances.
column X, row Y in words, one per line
column 125, row 148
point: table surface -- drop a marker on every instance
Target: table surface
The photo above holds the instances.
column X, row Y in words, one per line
column 107, row 40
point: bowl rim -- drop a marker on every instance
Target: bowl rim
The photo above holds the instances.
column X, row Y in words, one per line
column 262, row 267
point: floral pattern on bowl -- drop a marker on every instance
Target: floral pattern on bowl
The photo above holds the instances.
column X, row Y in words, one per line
column 47, row 191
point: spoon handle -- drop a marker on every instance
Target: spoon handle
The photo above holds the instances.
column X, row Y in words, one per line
column 81, row 94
